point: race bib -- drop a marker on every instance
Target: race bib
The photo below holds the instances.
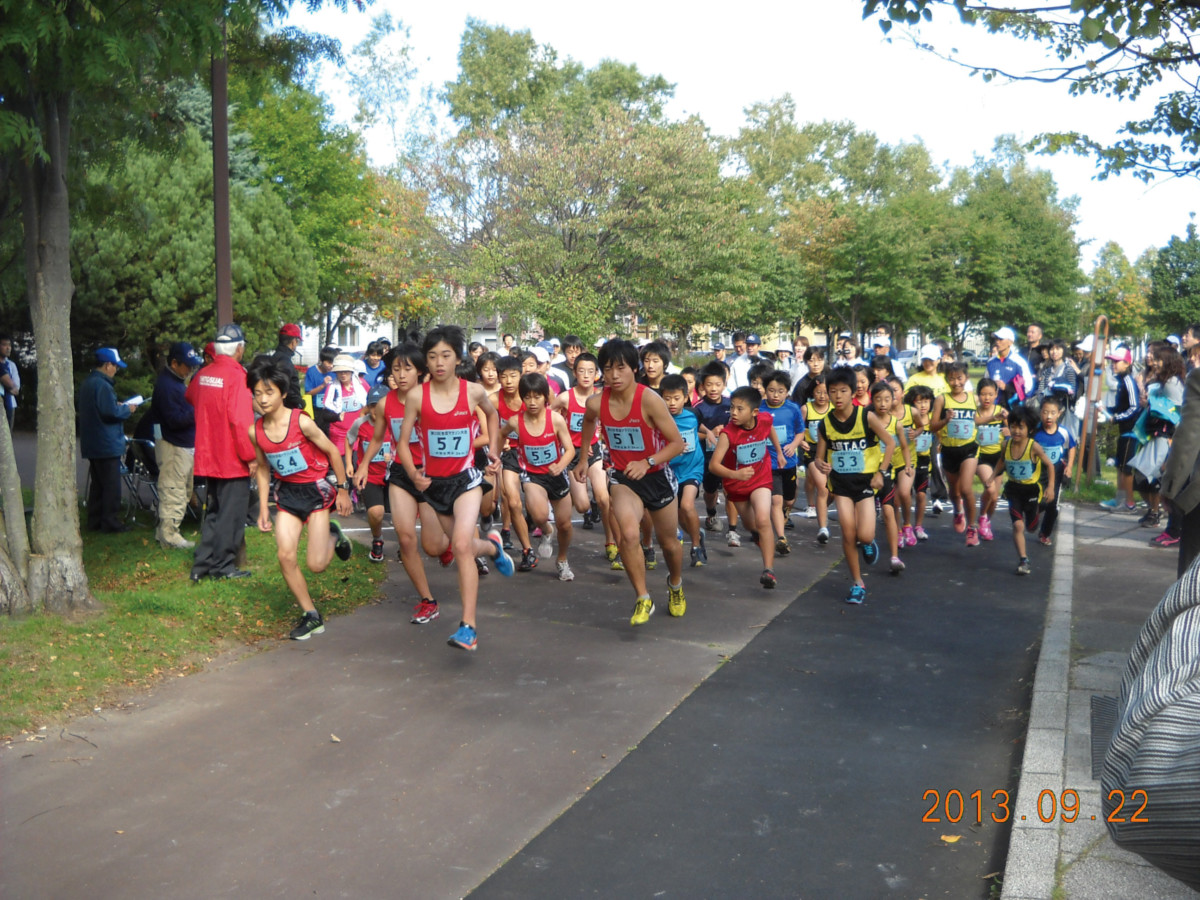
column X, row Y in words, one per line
column 385, row 450
column 814, row 430
column 540, row 454
column 848, row 462
column 1054, row 453
column 397, row 424
column 449, row 443
column 576, row 423
column 781, row 432
column 689, row 440
column 961, row 429
column 287, row 462
column 924, row 442
column 750, row 454
column 625, row 439
column 1019, row 469
column 989, row 435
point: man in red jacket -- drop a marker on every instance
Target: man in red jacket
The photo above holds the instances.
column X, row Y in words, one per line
column 224, row 455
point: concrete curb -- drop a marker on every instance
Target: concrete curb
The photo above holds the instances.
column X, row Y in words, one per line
column 1033, row 848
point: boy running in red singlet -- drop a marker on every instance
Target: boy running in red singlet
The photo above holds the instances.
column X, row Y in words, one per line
column 741, row 462
column 641, row 437
column 444, row 409
column 301, row 456
column 507, row 401
column 406, row 364
column 546, row 454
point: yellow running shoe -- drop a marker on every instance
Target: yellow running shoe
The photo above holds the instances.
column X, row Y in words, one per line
column 676, row 605
column 613, row 553
column 642, row 610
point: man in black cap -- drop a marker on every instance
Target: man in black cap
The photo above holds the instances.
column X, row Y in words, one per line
column 102, row 440
column 174, row 423
column 289, row 340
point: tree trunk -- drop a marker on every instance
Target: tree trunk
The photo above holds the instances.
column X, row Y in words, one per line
column 14, row 539
column 56, row 579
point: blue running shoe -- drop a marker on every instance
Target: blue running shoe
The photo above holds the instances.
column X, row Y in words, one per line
column 504, row 563
column 858, row 594
column 870, row 553
column 465, row 638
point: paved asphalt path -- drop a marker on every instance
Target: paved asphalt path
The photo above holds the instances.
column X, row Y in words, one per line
column 783, row 742
column 799, row 768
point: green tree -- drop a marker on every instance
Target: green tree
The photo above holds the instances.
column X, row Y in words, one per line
column 1175, row 281
column 1119, row 291
column 1114, row 48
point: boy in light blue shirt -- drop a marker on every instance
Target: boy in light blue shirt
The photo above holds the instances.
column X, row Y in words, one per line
column 688, row 466
column 789, row 428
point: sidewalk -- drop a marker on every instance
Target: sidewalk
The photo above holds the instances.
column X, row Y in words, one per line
column 1107, row 580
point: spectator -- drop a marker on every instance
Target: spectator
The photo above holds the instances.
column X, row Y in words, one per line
column 1057, row 374
column 1124, row 409
column 813, row 365
column 285, row 352
column 882, row 343
column 224, row 456
column 719, row 353
column 1036, row 352
column 1009, row 369
column 474, row 351
column 317, row 380
column 739, row 369
column 556, row 379
column 174, row 422
column 10, row 380
column 102, row 440
column 509, row 343
column 1181, row 473
column 344, row 400
column 1190, row 342
column 373, row 367
column 848, row 354
column 1161, row 403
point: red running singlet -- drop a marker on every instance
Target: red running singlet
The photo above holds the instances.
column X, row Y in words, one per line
column 295, row 459
column 393, row 413
column 447, row 437
column 631, row 438
column 538, row 451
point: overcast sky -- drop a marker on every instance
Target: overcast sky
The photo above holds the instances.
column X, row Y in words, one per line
column 833, row 63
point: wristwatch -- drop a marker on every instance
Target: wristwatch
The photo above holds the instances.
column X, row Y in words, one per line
column 651, row 463
column 343, row 485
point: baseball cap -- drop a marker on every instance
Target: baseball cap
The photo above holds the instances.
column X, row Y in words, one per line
column 376, row 393
column 881, row 340
column 184, row 352
column 556, row 342
column 1120, row 353
column 931, row 351
column 753, row 339
column 546, row 345
column 1086, row 344
column 600, row 342
column 231, row 334
column 1005, row 334
column 290, row 331
column 784, row 347
column 110, row 355
column 343, row 362
column 541, row 354
column 718, row 346
column 1173, row 339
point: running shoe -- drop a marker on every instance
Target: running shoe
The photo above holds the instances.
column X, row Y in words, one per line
column 611, row 552
column 810, row 513
column 679, row 535
column 1165, row 540
column 823, row 536
column 972, row 537
column 676, row 604
column 936, row 509
column 908, row 538
column 546, row 547
column 712, row 523
column 310, row 623
column 376, row 554
column 1111, row 505
column 481, row 565
column 897, row 565
column 1023, row 568
column 870, row 553
column 504, row 563
column 642, row 611
column 506, row 539
column 788, row 524
column 528, row 561
column 651, row 559
column 425, row 612
column 465, row 638
column 1150, row 519
column 588, row 524
column 446, row 557
column 921, row 533
column 782, row 547
column 733, row 540
column 1044, row 540
column 767, row 579
column 960, row 522
column 564, row 571
column 700, row 553
column 343, row 548
column 858, row 594
column 537, row 532
column 985, row 528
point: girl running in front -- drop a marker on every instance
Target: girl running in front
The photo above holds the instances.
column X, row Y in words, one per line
column 845, row 438
column 816, row 482
column 405, row 364
column 374, row 493
column 953, row 418
column 444, row 408
column 688, row 466
column 741, row 462
column 989, row 420
column 546, row 454
column 919, row 399
column 881, row 403
column 289, row 444
column 1024, row 462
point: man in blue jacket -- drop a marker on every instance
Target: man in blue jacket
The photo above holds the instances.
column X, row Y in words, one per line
column 102, row 440
column 174, row 442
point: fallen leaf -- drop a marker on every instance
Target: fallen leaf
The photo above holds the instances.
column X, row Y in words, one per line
column 120, row 832
column 951, row 838
column 335, row 739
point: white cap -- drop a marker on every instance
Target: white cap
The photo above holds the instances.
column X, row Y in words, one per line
column 881, row 340
column 644, row 342
column 1005, row 334
column 931, row 351
column 540, row 354
column 1086, row 344
column 1173, row 339
column 784, row 346
column 599, row 343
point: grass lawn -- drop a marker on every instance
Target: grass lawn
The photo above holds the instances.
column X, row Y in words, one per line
column 156, row 624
